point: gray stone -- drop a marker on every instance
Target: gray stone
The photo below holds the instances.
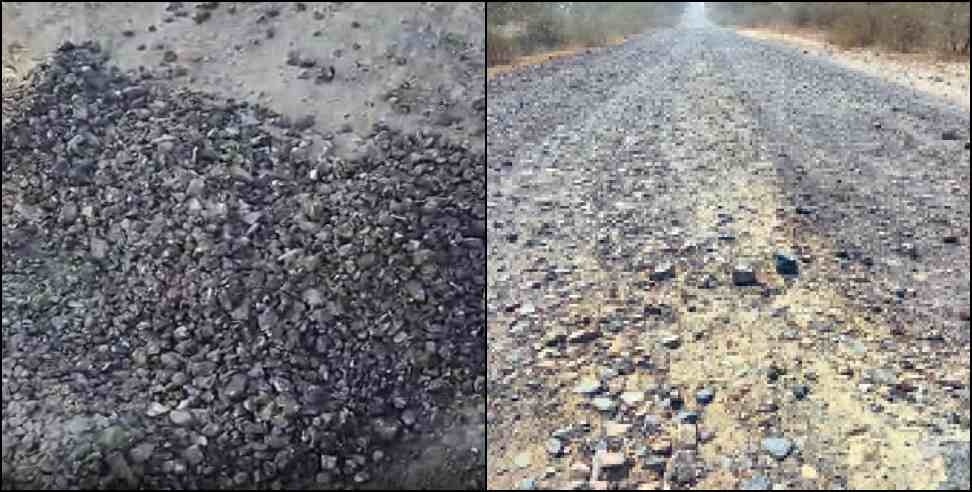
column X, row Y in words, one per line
column 588, row 386
column 786, row 263
column 99, row 248
column 555, row 447
column 704, row 396
column 662, row 272
column 142, row 453
column 671, row 341
column 778, row 448
column 527, row 484
column 181, row 418
column 606, row 460
column 688, row 417
column 193, row 455
column 757, row 482
column 113, row 437
column 583, row 336
column 744, row 275
column 236, row 388
column 157, row 409
column 801, row 391
column 604, row 404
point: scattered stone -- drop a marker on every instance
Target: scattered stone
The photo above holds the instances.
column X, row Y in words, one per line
column 583, row 336
column 632, row 398
column 688, row 436
column 688, row 417
column 202, row 16
column 786, row 264
column 670, row 341
column 704, row 396
column 614, row 429
column 580, row 471
column 522, row 460
column 778, row 448
column 683, row 468
column 527, row 484
column 606, row 460
column 156, row 409
column 743, row 275
column 555, row 447
column 113, row 437
column 757, row 482
column 554, row 338
column 142, row 453
column 800, row 391
column 169, row 56
column 193, row 455
column 181, row 418
column 605, row 405
column 588, row 386
column 662, row 272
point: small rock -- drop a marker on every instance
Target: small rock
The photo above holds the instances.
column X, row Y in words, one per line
column 744, row 275
column 588, row 386
column 181, row 418
column 156, row 409
column 583, row 336
column 304, row 122
column 688, row 417
column 801, row 391
column 662, row 272
column 671, row 341
column 950, row 135
column 555, row 448
column 113, row 437
column 527, row 484
column 169, row 56
column 580, row 471
column 193, row 455
column 554, row 338
column 786, row 263
column 778, row 448
column 607, row 460
column 758, row 482
column 632, row 398
column 604, row 404
column 236, row 388
column 99, row 249
column 808, row 472
column 683, row 468
column 142, row 453
column 704, row 396
column 522, row 460
column 614, row 429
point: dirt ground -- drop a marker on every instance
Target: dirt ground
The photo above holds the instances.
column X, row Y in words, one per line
column 921, row 71
column 412, row 65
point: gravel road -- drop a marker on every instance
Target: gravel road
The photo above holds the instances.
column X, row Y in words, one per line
column 716, row 262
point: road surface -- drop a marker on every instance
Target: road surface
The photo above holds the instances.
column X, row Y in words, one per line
column 632, row 188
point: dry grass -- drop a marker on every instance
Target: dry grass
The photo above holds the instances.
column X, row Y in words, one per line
column 908, row 27
column 515, row 62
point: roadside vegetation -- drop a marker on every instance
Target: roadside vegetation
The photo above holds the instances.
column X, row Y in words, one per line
column 516, row 29
column 941, row 28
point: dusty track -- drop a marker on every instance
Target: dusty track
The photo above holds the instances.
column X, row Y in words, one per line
column 701, row 149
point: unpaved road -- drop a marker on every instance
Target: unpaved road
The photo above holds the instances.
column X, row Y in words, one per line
column 690, row 152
